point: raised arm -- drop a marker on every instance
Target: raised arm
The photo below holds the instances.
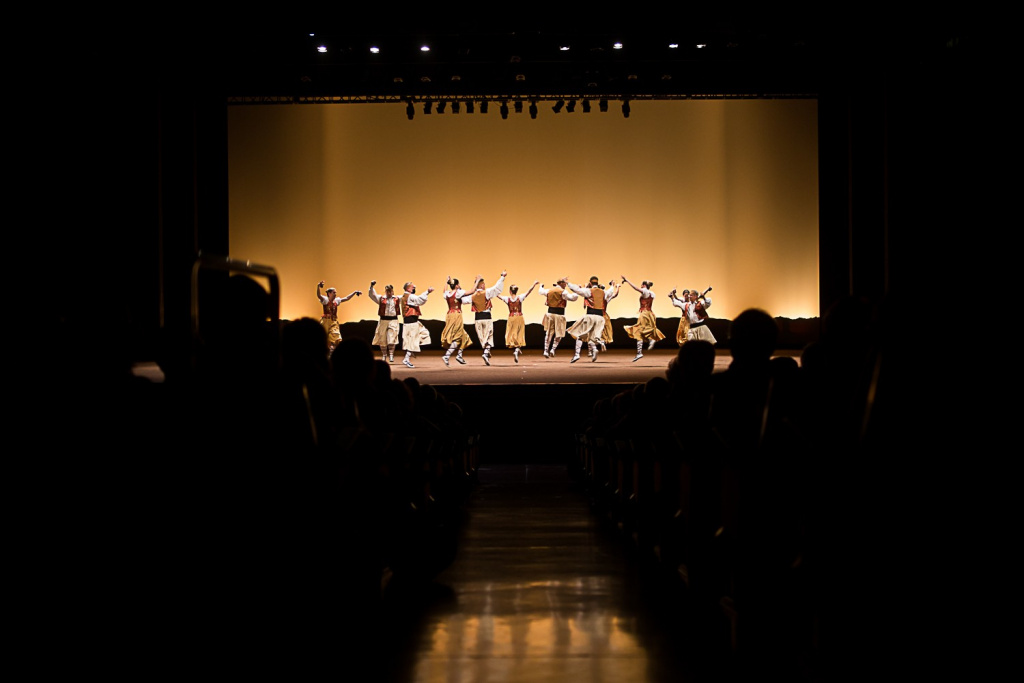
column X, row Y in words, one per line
column 319, row 295
column 355, row 293
column 537, row 282
column 498, row 286
column 632, row 285
column 372, row 293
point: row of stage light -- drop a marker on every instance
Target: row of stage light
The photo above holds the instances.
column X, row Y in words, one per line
column 441, row 106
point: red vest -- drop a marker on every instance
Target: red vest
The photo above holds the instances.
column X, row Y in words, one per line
column 454, row 304
column 407, row 309
column 331, row 310
column 645, row 302
column 515, row 307
column 382, row 309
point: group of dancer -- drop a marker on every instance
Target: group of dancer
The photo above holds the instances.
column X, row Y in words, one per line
column 593, row 328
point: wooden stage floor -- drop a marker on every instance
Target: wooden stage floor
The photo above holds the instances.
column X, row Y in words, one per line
column 616, row 366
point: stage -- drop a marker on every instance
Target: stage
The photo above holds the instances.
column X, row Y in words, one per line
column 614, row 367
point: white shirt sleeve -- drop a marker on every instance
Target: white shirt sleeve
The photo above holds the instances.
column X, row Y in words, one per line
column 374, row 297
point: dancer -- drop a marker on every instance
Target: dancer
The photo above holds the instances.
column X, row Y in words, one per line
column 554, row 319
column 646, row 327
column 695, row 311
column 454, row 337
column 588, row 328
column 388, row 308
column 481, row 300
column 414, row 333
column 684, row 322
column 515, row 328
column 329, row 320
column 609, row 294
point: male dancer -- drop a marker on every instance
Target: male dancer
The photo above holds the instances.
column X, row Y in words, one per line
column 646, row 327
column 695, row 311
column 684, row 322
column 554, row 319
column 481, row 300
column 329, row 318
column 515, row 328
column 588, row 328
column 414, row 333
column 388, row 308
column 454, row 335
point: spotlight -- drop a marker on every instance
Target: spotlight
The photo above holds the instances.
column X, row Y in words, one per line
column 625, row 108
column 519, row 106
column 586, row 106
column 483, row 106
column 571, row 106
column 455, row 106
column 603, row 104
column 427, row 104
column 469, row 106
column 504, row 110
column 533, row 109
column 410, row 110
column 441, row 106
column 558, row 106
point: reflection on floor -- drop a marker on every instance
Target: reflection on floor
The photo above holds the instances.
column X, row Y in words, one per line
column 539, row 591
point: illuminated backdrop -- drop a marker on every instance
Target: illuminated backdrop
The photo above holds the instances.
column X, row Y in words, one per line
column 684, row 193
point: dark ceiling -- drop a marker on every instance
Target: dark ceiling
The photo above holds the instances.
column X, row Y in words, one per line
column 769, row 55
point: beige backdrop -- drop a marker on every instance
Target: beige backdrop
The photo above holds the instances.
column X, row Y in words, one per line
column 686, row 193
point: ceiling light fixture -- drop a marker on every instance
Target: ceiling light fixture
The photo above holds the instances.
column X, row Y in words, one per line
column 483, row 106
column 625, row 108
column 533, row 109
column 504, row 110
column 603, row 105
column 558, row 106
column 519, row 106
column 571, row 106
column 586, row 106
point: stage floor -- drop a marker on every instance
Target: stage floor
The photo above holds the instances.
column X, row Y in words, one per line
column 616, row 366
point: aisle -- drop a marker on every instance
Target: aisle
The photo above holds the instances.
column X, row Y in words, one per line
column 538, row 592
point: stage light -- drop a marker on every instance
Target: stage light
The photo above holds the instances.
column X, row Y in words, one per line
column 455, row 106
column 571, row 106
column 469, row 106
column 519, row 106
column 441, row 106
column 625, row 108
column 427, row 104
column 533, row 109
column 586, row 106
column 603, row 105
column 410, row 110
column 558, row 106
column 504, row 110
column 483, row 106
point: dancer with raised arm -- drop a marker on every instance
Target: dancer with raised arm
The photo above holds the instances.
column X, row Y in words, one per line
column 554, row 320
column 609, row 294
column 589, row 327
column 481, row 300
column 329, row 319
column 388, row 308
column 414, row 332
column 454, row 337
column 646, row 327
column 696, row 312
column 684, row 322
column 515, row 327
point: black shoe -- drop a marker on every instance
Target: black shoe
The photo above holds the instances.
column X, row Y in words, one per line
column 408, row 364
column 460, row 359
